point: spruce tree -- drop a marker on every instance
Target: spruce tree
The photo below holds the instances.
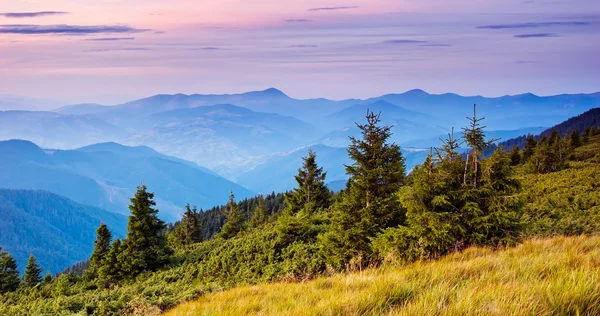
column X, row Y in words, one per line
column 33, row 273
column 529, row 148
column 311, row 194
column 234, row 223
column 515, row 156
column 475, row 138
column 370, row 204
column 188, row 231
column 260, row 213
column 145, row 247
column 9, row 275
column 101, row 248
column 110, row 271
column 575, row 139
column 448, row 149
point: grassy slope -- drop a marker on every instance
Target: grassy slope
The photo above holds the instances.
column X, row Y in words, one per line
column 560, row 275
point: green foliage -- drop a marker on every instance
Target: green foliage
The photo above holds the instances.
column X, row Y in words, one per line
column 101, row 248
column 369, row 205
column 110, row 271
column 311, row 194
column 381, row 215
column 235, row 219
column 444, row 214
column 32, row 275
column 259, row 216
column 9, row 275
column 145, row 248
column 188, row 231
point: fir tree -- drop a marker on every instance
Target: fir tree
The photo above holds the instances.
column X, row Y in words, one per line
column 370, row 204
column 188, row 231
column 9, row 275
column 311, row 194
column 575, row 139
column 475, row 138
column 448, row 149
column 529, row 149
column 32, row 275
column 48, row 278
column 515, row 156
column 260, row 213
column 234, row 222
column 101, row 248
column 145, row 247
column 110, row 271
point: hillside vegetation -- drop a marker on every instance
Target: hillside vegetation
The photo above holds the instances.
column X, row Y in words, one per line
column 555, row 276
column 460, row 209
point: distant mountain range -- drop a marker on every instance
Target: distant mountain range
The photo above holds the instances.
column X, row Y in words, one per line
column 237, row 134
column 233, row 134
column 106, row 176
column 58, row 231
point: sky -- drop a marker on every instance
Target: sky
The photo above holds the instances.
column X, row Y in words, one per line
column 112, row 51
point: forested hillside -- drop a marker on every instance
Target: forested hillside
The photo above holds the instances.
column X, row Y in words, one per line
column 579, row 124
column 384, row 216
column 55, row 229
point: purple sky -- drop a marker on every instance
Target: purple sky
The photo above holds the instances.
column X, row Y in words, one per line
column 110, row 51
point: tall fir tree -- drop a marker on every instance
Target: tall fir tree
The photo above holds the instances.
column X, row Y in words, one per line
column 33, row 273
column 529, row 148
column 475, row 137
column 188, row 231
column 260, row 213
column 9, row 275
column 110, row 270
column 370, row 204
column 575, row 139
column 234, row 223
column 311, row 193
column 101, row 248
column 145, row 248
column 515, row 156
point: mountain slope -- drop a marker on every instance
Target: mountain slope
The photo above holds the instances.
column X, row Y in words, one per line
column 224, row 137
column 544, row 276
column 58, row 231
column 106, row 176
column 580, row 122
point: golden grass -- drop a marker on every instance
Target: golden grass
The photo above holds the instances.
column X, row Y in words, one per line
column 557, row 276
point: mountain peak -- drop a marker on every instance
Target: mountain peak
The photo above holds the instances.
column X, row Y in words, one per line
column 270, row 92
column 416, row 92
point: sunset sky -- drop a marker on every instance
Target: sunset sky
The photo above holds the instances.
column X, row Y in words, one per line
column 111, row 51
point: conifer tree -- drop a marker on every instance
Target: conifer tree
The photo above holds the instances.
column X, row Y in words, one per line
column 101, row 248
column 529, row 149
column 110, row 271
column 475, row 138
column 515, row 156
column 575, row 139
column 32, row 275
column 260, row 213
column 234, row 222
column 311, row 194
column 48, row 278
column 9, row 275
column 448, row 149
column 370, row 204
column 188, row 231
column 145, row 247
